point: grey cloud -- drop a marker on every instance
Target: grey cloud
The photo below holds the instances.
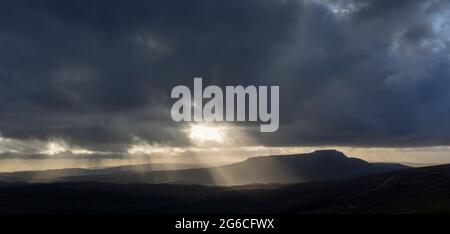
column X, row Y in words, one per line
column 98, row 74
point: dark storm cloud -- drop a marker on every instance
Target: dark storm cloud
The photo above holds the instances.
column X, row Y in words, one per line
column 99, row 73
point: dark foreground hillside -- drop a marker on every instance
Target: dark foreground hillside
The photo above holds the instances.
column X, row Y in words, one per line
column 423, row 190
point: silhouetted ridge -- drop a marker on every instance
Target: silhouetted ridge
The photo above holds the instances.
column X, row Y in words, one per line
column 318, row 165
column 328, row 153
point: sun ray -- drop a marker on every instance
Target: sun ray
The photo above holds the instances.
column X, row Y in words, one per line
column 201, row 134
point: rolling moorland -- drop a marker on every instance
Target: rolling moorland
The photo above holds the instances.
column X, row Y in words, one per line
column 334, row 183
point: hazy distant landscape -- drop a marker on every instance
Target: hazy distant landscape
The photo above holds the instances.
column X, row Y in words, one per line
column 319, row 165
column 320, row 182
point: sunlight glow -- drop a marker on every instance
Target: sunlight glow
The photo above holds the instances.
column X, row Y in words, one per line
column 200, row 134
column 54, row 148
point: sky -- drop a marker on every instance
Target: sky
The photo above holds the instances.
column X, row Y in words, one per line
column 92, row 79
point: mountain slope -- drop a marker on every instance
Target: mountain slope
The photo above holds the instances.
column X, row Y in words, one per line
column 319, row 165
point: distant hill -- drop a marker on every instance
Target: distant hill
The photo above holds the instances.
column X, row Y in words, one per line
column 418, row 190
column 58, row 174
column 319, row 165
